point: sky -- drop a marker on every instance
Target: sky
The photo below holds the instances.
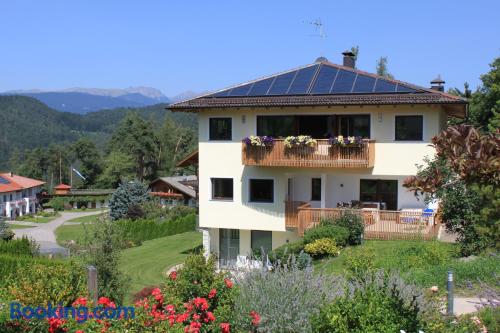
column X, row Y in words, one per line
column 177, row 46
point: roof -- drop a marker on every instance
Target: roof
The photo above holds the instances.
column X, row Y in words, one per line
column 166, row 195
column 320, row 83
column 175, row 182
column 62, row 187
column 191, row 159
column 10, row 182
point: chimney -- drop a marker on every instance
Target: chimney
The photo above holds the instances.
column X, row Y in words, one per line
column 349, row 59
column 438, row 84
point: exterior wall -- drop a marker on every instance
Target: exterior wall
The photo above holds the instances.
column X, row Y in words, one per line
column 222, row 159
column 18, row 203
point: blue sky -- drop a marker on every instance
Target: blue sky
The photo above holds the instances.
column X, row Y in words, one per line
column 205, row 45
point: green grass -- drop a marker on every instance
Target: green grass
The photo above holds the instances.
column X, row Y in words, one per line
column 86, row 219
column 85, row 210
column 423, row 263
column 20, row 226
column 38, row 219
column 146, row 264
column 74, row 232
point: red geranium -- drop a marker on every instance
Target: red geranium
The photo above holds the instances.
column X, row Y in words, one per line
column 255, row 318
column 228, row 283
column 224, row 327
column 173, row 275
column 212, row 293
column 80, row 301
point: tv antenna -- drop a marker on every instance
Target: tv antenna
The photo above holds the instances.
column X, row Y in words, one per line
column 319, row 31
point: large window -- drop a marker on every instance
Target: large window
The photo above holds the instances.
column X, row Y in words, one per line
column 261, row 190
column 262, row 240
column 409, row 128
column 220, row 129
column 276, row 126
column 316, row 189
column 222, row 188
column 383, row 191
column 354, row 125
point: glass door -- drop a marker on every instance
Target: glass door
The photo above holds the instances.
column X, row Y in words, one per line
column 229, row 246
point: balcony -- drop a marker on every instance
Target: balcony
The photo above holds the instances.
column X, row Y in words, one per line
column 379, row 224
column 323, row 155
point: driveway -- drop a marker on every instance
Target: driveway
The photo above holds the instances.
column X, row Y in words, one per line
column 43, row 233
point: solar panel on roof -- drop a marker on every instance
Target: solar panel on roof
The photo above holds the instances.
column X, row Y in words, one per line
column 343, row 82
column 260, row 88
column 384, row 86
column 221, row 93
column 364, row 84
column 282, row 83
column 401, row 88
column 302, row 80
column 240, row 91
column 4, row 181
column 324, row 80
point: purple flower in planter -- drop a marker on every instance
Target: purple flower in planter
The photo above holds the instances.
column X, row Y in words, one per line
column 268, row 141
column 247, row 140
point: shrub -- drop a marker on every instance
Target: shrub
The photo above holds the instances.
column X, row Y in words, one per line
column 5, row 233
column 359, row 263
column 339, row 234
column 377, row 303
column 354, row 224
column 322, row 247
column 18, row 247
column 57, row 204
column 285, row 298
column 127, row 194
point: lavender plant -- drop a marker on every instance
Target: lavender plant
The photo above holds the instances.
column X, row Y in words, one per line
column 285, row 298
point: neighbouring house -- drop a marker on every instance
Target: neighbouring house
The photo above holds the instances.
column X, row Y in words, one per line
column 280, row 153
column 176, row 191
column 62, row 189
column 77, row 198
column 18, row 195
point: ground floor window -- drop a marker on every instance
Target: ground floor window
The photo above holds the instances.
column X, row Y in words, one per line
column 261, row 241
column 261, row 190
column 377, row 190
column 229, row 246
column 316, row 189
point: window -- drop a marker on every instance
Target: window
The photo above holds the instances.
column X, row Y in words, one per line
column 261, row 240
column 220, row 129
column 354, row 125
column 382, row 191
column 261, row 190
column 276, row 126
column 409, row 128
column 222, row 188
column 316, row 189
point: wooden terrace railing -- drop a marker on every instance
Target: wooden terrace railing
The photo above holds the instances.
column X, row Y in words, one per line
column 379, row 224
column 322, row 155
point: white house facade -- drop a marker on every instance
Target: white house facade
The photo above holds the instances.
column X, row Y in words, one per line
column 253, row 197
column 18, row 195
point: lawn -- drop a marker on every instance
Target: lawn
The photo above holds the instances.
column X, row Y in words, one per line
column 423, row 263
column 146, row 264
column 38, row 219
column 69, row 232
column 20, row 226
column 86, row 219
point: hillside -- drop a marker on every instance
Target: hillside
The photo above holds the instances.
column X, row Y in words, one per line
column 25, row 123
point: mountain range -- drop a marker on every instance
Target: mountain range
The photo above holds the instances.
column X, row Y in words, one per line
column 85, row 100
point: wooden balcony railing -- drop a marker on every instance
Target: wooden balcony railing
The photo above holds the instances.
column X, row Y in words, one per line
column 379, row 224
column 321, row 156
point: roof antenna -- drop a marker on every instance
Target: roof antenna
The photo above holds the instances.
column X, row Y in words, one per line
column 319, row 32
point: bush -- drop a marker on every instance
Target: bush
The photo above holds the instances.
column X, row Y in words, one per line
column 19, row 247
column 375, row 304
column 354, row 224
column 286, row 298
column 127, row 194
column 57, row 204
column 339, row 234
column 5, row 233
column 322, row 247
column 359, row 263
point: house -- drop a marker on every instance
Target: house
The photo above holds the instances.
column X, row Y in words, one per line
column 18, row 195
column 77, row 198
column 176, row 191
column 62, row 189
column 261, row 186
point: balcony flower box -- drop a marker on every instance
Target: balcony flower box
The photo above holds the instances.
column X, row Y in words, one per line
column 300, row 145
column 259, row 141
column 350, row 147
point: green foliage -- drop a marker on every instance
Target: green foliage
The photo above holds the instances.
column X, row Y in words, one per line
column 57, row 203
column 118, row 167
column 321, row 247
column 382, row 69
column 127, row 194
column 6, row 233
column 290, row 253
column 339, row 234
column 18, row 247
column 359, row 263
column 104, row 242
column 85, row 151
column 375, row 304
column 354, row 223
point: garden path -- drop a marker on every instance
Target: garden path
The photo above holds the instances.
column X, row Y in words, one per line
column 43, row 233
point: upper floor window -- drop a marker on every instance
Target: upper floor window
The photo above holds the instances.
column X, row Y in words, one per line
column 220, row 129
column 409, row 128
column 222, row 188
column 316, row 189
column 354, row 125
column 261, row 190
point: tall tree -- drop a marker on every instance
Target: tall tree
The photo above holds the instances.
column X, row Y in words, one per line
column 118, row 167
column 135, row 136
column 86, row 153
column 175, row 143
column 382, row 69
column 355, row 50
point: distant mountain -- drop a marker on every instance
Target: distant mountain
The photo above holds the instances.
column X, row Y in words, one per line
column 187, row 95
column 84, row 100
column 25, row 122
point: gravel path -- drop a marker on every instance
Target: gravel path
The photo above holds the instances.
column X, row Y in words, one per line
column 43, row 233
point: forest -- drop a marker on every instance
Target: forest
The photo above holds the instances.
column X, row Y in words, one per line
column 106, row 146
